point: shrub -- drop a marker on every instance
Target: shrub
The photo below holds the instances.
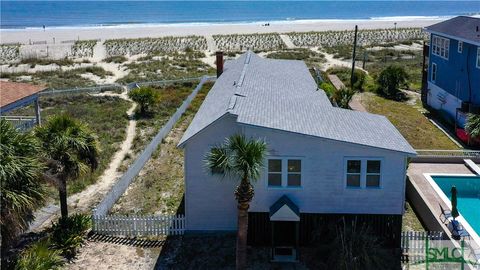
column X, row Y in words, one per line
column 145, row 97
column 344, row 74
column 473, row 125
column 117, row 59
column 328, row 88
column 69, row 233
column 390, row 79
column 40, row 256
column 342, row 97
column 349, row 245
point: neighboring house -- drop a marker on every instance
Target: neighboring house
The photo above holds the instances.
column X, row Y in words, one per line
column 454, row 68
column 322, row 161
column 14, row 95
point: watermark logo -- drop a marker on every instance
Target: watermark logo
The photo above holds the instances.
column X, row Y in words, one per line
column 441, row 254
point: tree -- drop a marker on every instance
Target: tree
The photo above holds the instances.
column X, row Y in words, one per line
column 21, row 189
column 473, row 125
column 145, row 97
column 239, row 158
column 69, row 148
column 390, row 79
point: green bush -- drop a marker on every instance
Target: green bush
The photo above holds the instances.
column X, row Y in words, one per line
column 68, row 234
column 146, row 97
column 344, row 73
column 40, row 256
column 342, row 97
column 390, row 80
column 328, row 88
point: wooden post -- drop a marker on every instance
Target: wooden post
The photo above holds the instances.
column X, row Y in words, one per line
column 297, row 233
column 354, row 52
column 272, row 240
column 37, row 111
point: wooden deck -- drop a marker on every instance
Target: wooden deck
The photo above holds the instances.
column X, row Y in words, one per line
column 336, row 81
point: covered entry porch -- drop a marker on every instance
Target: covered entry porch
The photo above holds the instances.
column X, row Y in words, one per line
column 284, row 219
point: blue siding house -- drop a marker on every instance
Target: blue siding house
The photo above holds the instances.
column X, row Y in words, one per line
column 453, row 79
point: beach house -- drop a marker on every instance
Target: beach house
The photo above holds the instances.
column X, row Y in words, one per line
column 323, row 162
column 453, row 79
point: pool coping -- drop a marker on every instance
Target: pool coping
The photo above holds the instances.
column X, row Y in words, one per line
column 475, row 237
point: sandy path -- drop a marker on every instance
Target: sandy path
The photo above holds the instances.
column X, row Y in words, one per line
column 114, row 256
column 85, row 200
column 288, row 42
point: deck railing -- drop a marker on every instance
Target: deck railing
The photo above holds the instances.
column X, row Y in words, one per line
column 23, row 123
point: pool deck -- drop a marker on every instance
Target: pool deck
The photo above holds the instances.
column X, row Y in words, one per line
column 423, row 196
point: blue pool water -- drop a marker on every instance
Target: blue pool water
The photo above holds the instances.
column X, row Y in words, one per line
column 468, row 190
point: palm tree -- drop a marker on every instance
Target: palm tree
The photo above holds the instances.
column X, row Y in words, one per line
column 473, row 125
column 21, row 190
column 69, row 148
column 239, row 158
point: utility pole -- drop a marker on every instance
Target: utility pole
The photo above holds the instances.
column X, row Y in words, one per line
column 354, row 52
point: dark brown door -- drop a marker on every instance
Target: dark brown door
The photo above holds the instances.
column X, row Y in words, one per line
column 284, row 233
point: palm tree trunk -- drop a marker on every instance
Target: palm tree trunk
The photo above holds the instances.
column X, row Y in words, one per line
column 244, row 194
column 241, row 250
column 62, row 192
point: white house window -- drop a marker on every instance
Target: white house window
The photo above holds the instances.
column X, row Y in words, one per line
column 478, row 57
column 460, row 47
column 373, row 173
column 284, row 172
column 434, row 72
column 294, row 177
column 363, row 173
column 440, row 46
column 354, row 173
column 275, row 172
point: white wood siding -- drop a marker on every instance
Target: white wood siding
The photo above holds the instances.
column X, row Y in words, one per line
column 210, row 203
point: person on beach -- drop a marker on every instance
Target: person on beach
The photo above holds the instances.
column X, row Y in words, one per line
column 44, row 28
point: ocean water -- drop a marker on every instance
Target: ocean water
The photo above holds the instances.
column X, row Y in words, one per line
column 35, row 14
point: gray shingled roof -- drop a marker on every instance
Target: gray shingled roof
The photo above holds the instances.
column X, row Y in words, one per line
column 462, row 27
column 281, row 94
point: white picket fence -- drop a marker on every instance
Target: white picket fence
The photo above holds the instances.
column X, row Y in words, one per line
column 413, row 244
column 138, row 226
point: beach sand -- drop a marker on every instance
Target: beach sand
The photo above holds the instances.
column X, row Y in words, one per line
column 62, row 34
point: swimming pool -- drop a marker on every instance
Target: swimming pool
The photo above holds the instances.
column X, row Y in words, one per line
column 468, row 191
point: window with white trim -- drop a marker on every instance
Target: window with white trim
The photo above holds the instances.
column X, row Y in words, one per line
column 373, row 173
column 354, row 173
column 363, row 172
column 275, row 172
column 284, row 172
column 460, row 47
column 440, row 46
column 434, row 72
column 478, row 57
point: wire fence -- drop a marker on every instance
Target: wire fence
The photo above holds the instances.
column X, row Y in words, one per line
column 448, row 153
column 122, row 184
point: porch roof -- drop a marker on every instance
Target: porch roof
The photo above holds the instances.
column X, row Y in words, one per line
column 284, row 210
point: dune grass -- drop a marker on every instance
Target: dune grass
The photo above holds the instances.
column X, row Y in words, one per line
column 59, row 79
column 106, row 116
column 176, row 65
column 310, row 57
column 160, row 186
